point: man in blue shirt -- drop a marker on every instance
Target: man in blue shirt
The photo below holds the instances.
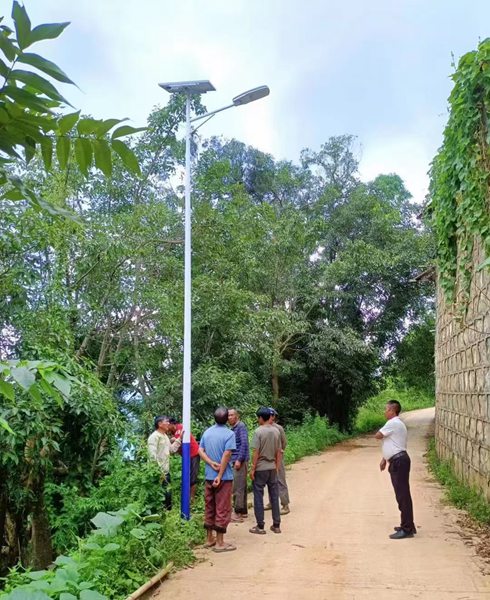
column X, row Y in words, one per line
column 217, row 445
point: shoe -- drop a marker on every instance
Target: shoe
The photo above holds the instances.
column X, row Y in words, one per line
column 235, row 518
column 400, row 535
column 414, row 530
column 268, row 506
column 285, row 510
column 257, row 530
column 275, row 529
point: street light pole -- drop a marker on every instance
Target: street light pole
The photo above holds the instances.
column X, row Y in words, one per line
column 186, row 392
column 189, row 88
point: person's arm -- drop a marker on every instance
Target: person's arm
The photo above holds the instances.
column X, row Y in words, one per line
column 225, row 459
column 255, row 459
column 214, row 465
column 244, row 451
column 284, row 441
column 175, row 445
column 279, row 454
column 379, row 435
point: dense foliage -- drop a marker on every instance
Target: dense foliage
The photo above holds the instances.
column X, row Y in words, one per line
column 460, row 177
column 302, row 286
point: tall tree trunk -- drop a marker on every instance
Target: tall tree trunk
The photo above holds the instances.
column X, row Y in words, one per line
column 41, row 546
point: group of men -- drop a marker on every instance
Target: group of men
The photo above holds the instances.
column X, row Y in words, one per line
column 225, row 451
column 226, row 454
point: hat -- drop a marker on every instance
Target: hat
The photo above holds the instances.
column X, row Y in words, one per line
column 273, row 411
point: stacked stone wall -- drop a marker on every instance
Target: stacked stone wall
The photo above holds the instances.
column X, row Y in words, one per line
column 463, row 383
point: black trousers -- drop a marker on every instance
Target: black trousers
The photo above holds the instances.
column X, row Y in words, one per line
column 167, row 491
column 399, row 469
column 261, row 479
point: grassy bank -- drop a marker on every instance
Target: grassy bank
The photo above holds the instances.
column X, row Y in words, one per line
column 457, row 493
column 371, row 415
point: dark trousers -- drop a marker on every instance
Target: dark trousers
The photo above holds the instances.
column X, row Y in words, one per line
column 266, row 478
column 240, row 489
column 167, row 491
column 399, row 469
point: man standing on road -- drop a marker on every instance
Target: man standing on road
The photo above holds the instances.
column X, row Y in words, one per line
column 281, row 472
column 266, row 444
column 217, row 444
column 394, row 437
column 175, row 431
column 159, row 449
column 239, row 463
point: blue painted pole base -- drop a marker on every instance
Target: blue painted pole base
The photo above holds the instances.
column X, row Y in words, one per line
column 185, row 498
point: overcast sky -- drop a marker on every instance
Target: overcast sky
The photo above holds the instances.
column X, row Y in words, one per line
column 378, row 69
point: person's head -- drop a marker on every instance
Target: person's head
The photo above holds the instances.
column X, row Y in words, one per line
column 161, row 423
column 392, row 409
column 274, row 414
column 172, row 425
column 233, row 416
column 263, row 415
column 221, row 415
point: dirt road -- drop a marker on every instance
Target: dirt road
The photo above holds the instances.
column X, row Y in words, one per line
column 335, row 541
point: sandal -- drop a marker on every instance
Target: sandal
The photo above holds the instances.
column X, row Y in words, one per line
column 209, row 544
column 225, row 548
column 257, row 530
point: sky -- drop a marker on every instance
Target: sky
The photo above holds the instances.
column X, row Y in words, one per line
column 377, row 69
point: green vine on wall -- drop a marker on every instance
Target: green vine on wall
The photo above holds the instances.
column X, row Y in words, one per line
column 459, row 189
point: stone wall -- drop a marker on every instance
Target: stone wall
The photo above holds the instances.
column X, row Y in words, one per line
column 463, row 384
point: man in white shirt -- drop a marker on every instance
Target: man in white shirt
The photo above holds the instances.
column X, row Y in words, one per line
column 159, row 449
column 394, row 439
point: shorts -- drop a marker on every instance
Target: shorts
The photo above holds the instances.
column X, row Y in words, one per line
column 195, row 464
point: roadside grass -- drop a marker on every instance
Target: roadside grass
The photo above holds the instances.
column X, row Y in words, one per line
column 371, row 414
column 314, row 435
column 457, row 493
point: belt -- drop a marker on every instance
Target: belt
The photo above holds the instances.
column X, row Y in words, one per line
column 397, row 455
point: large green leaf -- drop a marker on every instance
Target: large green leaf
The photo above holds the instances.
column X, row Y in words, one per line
column 83, row 154
column 47, row 152
column 38, row 83
column 22, row 24
column 44, row 65
column 88, row 125
column 126, row 130
column 103, row 158
column 67, row 122
column 47, row 31
column 61, row 383
column 63, row 151
column 23, row 376
column 4, row 425
column 7, row 389
column 104, row 520
column 106, row 125
column 7, row 47
column 27, row 99
column 127, row 156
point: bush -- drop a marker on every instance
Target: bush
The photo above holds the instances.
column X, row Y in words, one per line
column 314, row 435
column 371, row 414
column 125, row 549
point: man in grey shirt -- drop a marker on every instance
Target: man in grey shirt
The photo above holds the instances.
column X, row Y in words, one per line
column 266, row 444
column 281, row 472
